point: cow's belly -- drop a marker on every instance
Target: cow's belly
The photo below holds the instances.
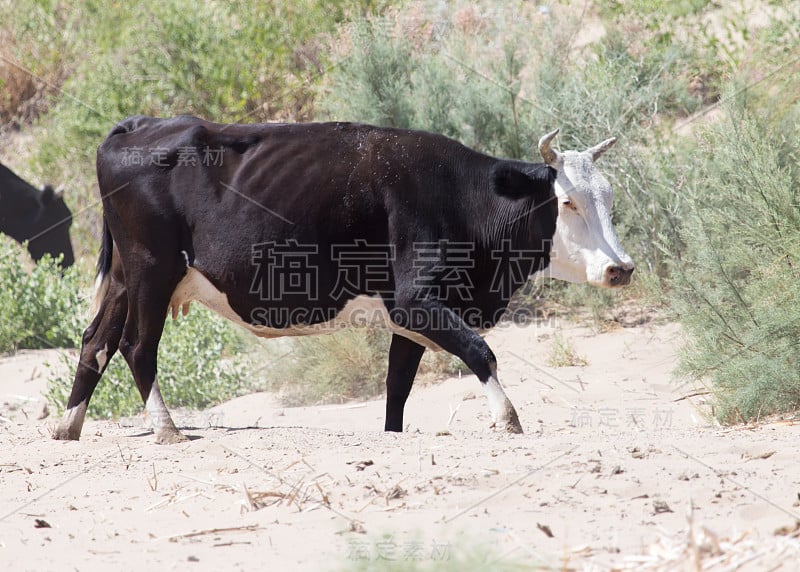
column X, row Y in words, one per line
column 361, row 311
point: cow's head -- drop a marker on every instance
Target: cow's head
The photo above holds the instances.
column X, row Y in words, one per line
column 585, row 245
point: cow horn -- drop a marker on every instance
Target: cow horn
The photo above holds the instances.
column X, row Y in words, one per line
column 601, row 148
column 550, row 156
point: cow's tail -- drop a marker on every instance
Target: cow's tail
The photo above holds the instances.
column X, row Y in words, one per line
column 103, row 269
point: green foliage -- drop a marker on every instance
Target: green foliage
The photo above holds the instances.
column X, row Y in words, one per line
column 38, row 307
column 346, row 365
column 197, row 367
column 457, row 76
column 654, row 8
column 735, row 287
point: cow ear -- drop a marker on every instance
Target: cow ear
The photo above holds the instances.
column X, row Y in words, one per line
column 510, row 182
column 513, row 183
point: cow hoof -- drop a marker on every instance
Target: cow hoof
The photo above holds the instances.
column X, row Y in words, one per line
column 65, row 433
column 511, row 426
column 515, row 428
column 168, row 437
column 509, row 420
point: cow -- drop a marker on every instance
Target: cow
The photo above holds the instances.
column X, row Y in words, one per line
column 38, row 216
column 296, row 229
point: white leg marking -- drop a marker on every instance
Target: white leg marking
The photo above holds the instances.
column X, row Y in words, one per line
column 101, row 357
column 163, row 426
column 71, row 424
column 503, row 413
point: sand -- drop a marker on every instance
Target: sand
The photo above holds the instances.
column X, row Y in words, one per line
column 615, row 467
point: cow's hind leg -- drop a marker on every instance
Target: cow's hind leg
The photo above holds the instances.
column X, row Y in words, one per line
column 100, row 341
column 404, row 356
column 148, row 302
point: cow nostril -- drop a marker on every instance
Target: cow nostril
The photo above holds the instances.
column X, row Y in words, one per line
column 618, row 275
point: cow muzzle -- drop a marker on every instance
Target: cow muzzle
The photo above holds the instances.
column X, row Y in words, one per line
column 618, row 275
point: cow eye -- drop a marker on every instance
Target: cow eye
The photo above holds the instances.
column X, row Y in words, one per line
column 569, row 204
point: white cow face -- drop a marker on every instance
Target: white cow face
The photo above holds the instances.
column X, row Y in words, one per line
column 585, row 245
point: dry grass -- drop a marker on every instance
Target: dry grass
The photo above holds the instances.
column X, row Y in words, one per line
column 336, row 368
column 563, row 354
column 699, row 548
column 23, row 93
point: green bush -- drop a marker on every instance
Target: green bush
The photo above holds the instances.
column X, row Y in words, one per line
column 198, row 366
column 39, row 307
column 735, row 288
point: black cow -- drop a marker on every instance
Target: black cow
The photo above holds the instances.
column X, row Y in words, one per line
column 39, row 216
column 302, row 229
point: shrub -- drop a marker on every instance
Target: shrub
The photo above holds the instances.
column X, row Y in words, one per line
column 334, row 368
column 197, row 368
column 735, row 286
column 39, row 307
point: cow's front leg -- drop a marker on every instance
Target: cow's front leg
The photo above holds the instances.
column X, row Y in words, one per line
column 440, row 324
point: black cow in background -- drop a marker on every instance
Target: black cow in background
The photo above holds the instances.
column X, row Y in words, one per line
column 39, row 216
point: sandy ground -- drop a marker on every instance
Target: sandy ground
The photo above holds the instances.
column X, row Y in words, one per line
column 604, row 478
